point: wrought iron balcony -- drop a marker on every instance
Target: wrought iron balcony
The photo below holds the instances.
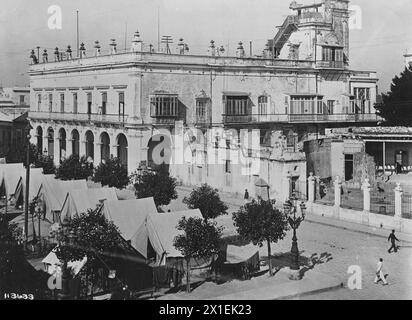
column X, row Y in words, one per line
column 80, row 117
column 300, row 118
column 330, row 64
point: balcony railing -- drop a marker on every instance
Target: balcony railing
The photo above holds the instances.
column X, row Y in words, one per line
column 300, row 118
column 80, row 117
column 330, row 64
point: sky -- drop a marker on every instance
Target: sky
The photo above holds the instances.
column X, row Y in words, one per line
column 379, row 45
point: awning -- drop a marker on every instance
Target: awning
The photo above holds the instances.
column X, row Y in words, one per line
column 236, row 93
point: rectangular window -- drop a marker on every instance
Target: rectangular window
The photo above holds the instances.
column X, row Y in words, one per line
column 303, row 105
column 331, row 106
column 50, row 102
column 22, row 102
column 332, row 54
column 236, row 105
column 62, row 103
column 39, row 102
column 348, row 167
column 89, row 102
column 75, row 103
column 227, row 166
column 104, row 102
column 164, row 106
column 263, row 105
column 121, row 104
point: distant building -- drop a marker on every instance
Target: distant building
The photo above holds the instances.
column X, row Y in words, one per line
column 102, row 104
column 18, row 97
column 13, row 129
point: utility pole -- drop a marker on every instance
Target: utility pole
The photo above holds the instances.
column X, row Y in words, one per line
column 26, row 200
column 78, row 44
column 167, row 40
column 158, row 29
column 251, row 49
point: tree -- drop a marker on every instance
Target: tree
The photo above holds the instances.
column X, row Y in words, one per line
column 95, row 238
column 201, row 240
column 46, row 162
column 207, row 200
column 157, row 184
column 395, row 107
column 111, row 173
column 74, row 168
column 258, row 222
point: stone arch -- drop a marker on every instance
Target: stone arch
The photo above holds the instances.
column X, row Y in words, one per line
column 62, row 144
column 122, row 145
column 75, row 142
column 89, row 141
column 50, row 141
column 39, row 136
column 104, row 146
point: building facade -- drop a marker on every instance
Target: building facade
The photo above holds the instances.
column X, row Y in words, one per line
column 126, row 104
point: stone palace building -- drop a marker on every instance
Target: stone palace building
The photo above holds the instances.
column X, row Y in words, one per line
column 123, row 104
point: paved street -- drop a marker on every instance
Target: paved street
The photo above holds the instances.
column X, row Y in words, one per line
column 340, row 249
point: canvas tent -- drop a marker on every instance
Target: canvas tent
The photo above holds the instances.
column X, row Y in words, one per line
column 10, row 174
column 53, row 264
column 161, row 231
column 36, row 179
column 240, row 262
column 53, row 192
column 130, row 217
column 79, row 201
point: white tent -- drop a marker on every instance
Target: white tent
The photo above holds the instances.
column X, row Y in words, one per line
column 130, row 217
column 10, row 174
column 53, row 264
column 162, row 230
column 36, row 179
column 53, row 192
column 79, row 201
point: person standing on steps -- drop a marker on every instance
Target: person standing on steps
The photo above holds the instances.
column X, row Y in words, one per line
column 393, row 238
column 379, row 273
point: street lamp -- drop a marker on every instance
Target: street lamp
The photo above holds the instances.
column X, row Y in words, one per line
column 291, row 209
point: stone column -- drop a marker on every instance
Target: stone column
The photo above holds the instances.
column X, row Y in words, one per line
column 338, row 189
column 82, row 148
column 113, row 150
column 398, row 201
column 311, row 188
column 287, row 187
column 317, row 187
column 69, row 147
column 46, row 144
column 97, row 154
column 56, row 150
column 338, row 196
column 366, row 187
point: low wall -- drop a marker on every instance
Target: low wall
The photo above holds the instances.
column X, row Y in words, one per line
column 360, row 217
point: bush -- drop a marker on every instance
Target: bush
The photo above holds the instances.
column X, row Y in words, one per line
column 111, row 173
column 74, row 168
column 156, row 184
column 207, row 200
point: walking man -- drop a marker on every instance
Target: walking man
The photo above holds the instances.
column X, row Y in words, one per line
column 379, row 273
column 393, row 238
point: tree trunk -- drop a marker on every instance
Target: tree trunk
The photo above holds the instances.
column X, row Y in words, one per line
column 269, row 259
column 188, row 276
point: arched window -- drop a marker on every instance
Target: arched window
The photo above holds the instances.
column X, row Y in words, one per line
column 122, row 149
column 75, row 142
column 104, row 146
column 39, row 134
column 89, row 145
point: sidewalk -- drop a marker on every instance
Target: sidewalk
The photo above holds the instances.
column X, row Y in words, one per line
column 237, row 201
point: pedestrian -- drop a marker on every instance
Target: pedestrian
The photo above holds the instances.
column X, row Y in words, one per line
column 380, row 276
column 246, row 197
column 393, row 238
